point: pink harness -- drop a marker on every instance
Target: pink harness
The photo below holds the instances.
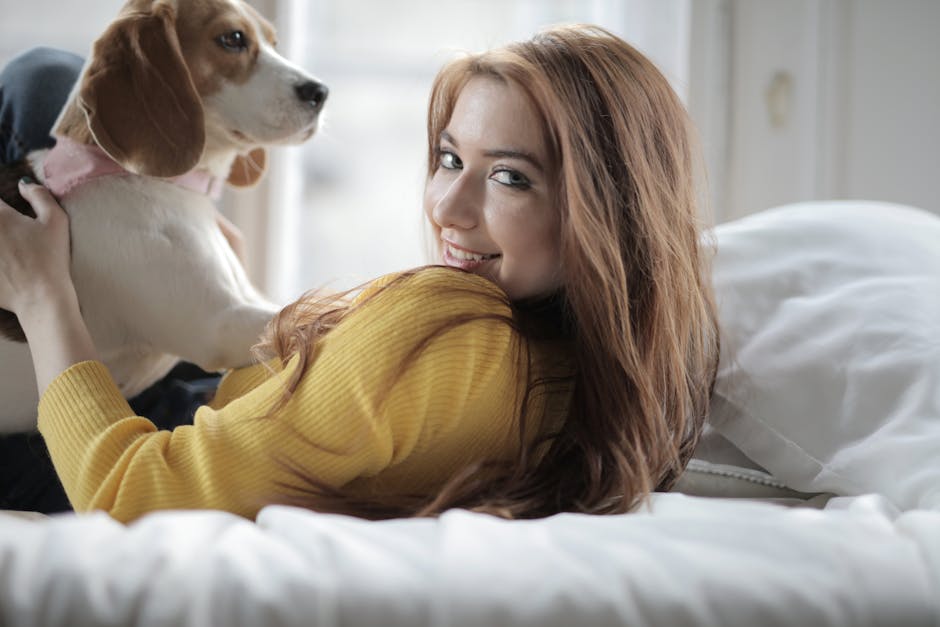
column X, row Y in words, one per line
column 71, row 164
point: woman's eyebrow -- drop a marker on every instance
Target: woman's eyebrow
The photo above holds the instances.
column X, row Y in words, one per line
column 515, row 154
column 505, row 153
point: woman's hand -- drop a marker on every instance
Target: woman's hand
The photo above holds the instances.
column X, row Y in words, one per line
column 34, row 253
column 36, row 284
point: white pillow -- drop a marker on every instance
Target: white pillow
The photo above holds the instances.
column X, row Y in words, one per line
column 829, row 375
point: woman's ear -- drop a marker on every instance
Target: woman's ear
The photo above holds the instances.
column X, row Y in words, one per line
column 248, row 169
column 139, row 98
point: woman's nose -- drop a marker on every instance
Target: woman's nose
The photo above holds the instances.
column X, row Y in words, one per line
column 458, row 207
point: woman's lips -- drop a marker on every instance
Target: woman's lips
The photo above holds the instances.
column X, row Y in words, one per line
column 465, row 259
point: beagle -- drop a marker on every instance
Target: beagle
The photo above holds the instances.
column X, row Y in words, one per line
column 177, row 97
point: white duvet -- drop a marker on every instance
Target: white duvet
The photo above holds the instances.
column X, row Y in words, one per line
column 683, row 561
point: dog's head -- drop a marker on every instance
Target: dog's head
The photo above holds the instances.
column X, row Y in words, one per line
column 173, row 84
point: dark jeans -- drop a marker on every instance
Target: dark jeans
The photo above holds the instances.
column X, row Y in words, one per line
column 33, row 89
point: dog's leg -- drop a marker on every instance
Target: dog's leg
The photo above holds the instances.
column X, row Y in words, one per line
column 233, row 313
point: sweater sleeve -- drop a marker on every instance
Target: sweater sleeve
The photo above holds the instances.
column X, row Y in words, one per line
column 391, row 379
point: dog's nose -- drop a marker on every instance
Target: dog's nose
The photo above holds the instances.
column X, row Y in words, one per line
column 313, row 92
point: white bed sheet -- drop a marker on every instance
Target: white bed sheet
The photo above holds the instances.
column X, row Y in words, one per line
column 683, row 561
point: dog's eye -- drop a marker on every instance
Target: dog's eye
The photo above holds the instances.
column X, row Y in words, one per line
column 236, row 41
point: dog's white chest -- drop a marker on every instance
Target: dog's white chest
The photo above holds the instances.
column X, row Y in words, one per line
column 137, row 242
column 156, row 281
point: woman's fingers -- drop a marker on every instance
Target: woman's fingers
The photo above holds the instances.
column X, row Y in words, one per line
column 41, row 200
column 34, row 253
column 48, row 213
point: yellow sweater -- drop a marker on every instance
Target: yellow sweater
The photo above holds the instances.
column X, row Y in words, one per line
column 457, row 402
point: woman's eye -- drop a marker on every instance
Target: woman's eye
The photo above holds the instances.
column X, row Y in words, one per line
column 512, row 179
column 235, row 41
column 450, row 161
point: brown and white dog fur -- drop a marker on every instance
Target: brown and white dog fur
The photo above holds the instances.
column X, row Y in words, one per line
column 170, row 87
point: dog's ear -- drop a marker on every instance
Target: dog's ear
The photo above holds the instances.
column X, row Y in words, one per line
column 247, row 169
column 139, row 98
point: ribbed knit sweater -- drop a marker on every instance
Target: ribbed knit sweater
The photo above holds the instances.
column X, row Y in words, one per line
column 386, row 404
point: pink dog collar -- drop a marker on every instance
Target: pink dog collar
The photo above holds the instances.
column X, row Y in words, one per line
column 71, row 164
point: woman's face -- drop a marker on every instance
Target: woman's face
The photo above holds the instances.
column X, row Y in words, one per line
column 489, row 201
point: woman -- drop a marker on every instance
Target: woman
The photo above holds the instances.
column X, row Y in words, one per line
column 561, row 360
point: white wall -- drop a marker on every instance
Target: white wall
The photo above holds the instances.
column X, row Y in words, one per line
column 812, row 99
column 891, row 123
column 68, row 25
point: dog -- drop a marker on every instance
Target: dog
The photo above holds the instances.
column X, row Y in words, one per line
column 176, row 97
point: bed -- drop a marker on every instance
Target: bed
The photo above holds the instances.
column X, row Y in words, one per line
column 813, row 498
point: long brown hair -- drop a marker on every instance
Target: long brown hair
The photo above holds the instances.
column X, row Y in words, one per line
column 636, row 292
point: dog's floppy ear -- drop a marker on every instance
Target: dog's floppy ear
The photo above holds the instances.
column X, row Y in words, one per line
column 139, row 98
column 248, row 169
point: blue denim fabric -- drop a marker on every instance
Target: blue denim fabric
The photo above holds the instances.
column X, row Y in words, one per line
column 33, row 89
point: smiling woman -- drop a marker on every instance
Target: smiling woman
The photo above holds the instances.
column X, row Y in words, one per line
column 490, row 201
